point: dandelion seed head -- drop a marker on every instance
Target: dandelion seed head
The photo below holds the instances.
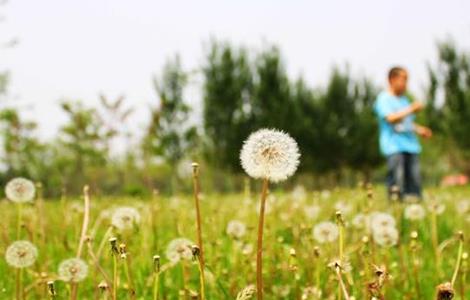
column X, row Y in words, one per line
column 73, row 270
column 236, row 229
column 179, row 249
column 270, row 154
column 325, row 232
column 20, row 190
column 414, row 212
column 21, row 254
column 385, row 236
column 312, row 211
column 380, row 220
column 125, row 218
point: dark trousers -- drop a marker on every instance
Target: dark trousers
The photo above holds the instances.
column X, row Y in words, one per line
column 403, row 173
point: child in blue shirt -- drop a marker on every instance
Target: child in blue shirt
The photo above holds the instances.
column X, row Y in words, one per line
column 398, row 135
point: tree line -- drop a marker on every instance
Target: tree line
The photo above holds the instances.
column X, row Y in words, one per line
column 242, row 90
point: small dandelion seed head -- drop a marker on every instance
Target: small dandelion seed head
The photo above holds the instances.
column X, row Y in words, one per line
column 21, row 254
column 414, row 212
column 270, row 154
column 380, row 219
column 125, row 218
column 20, row 190
column 325, row 232
column 385, row 236
column 236, row 229
column 179, row 249
column 73, row 270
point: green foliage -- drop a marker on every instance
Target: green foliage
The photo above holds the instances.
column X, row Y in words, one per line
column 452, row 77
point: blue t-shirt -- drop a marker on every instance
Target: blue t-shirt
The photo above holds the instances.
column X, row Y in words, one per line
column 396, row 137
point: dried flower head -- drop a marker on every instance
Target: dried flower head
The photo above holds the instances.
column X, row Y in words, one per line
column 325, row 232
column 270, row 154
column 179, row 249
column 20, row 190
column 21, row 254
column 73, row 270
column 246, row 293
column 125, row 218
column 236, row 229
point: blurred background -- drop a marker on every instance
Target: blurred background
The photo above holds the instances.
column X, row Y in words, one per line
column 124, row 95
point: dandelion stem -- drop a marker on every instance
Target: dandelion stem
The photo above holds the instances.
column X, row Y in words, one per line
column 259, row 253
column 19, row 216
column 196, row 189
column 459, row 258
column 435, row 240
column 19, row 276
column 86, row 218
column 115, row 271
column 156, row 279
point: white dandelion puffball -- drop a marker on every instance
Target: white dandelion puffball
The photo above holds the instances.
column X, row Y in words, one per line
column 380, row 219
column 125, row 218
column 436, row 207
column 343, row 207
column 270, row 154
column 385, row 236
column 20, row 190
column 325, row 232
column 414, row 212
column 236, row 229
column 179, row 249
column 361, row 221
column 73, row 270
column 312, row 211
column 21, row 254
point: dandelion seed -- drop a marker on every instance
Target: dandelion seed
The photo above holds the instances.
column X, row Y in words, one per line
column 236, row 229
column 179, row 249
column 270, row 154
column 414, row 212
column 20, row 190
column 125, row 218
column 21, row 254
column 73, row 270
column 325, row 232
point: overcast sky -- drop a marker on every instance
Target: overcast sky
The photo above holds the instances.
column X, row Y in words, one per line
column 77, row 49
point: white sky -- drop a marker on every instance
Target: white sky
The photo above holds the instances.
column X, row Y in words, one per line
column 77, row 49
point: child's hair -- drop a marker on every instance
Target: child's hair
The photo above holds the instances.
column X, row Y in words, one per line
column 395, row 71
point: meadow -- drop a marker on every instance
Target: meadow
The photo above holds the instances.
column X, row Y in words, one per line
column 304, row 231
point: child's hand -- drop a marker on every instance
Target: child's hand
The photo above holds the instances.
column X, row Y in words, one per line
column 423, row 131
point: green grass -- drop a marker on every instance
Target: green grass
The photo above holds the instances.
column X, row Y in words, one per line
column 54, row 227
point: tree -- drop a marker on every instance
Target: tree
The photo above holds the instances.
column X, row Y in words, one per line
column 227, row 96
column 169, row 134
column 452, row 75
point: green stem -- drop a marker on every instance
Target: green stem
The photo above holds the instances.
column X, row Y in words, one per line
column 156, row 283
column 457, row 265
column 18, row 228
column 115, row 283
column 259, row 253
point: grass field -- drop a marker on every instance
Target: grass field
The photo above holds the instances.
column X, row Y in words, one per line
column 297, row 262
